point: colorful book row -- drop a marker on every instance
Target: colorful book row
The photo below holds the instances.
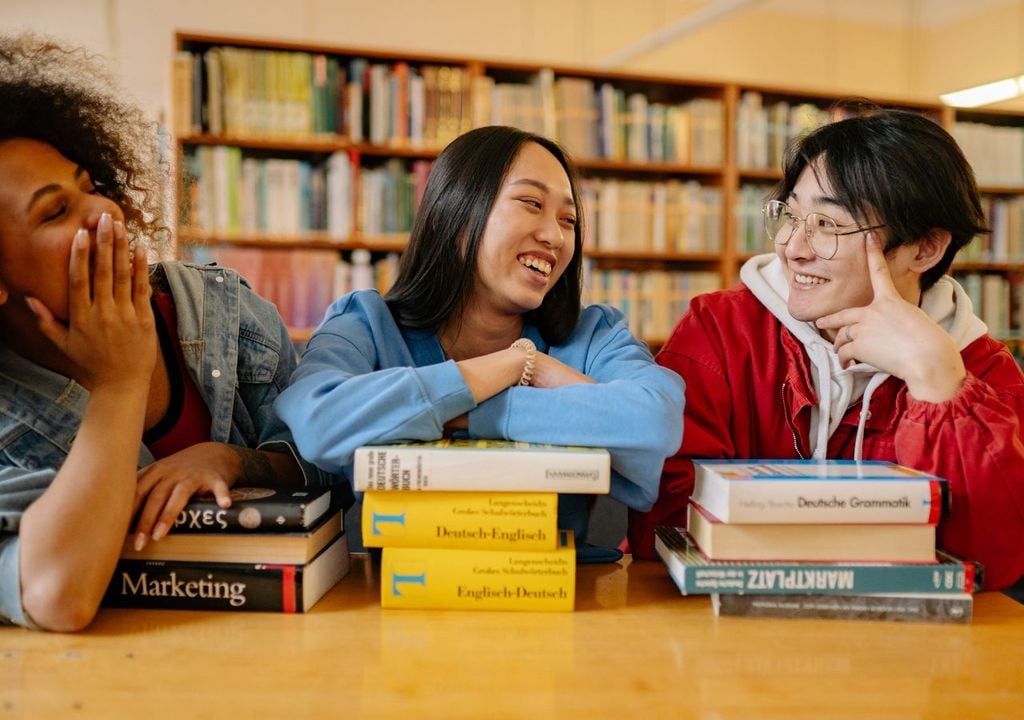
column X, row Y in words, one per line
column 667, row 217
column 652, row 300
column 998, row 300
column 241, row 92
column 227, row 191
column 302, row 283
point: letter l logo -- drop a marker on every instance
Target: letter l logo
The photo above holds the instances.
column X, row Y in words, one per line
column 380, row 518
column 397, row 580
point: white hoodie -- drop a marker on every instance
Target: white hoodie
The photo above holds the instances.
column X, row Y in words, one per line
column 837, row 388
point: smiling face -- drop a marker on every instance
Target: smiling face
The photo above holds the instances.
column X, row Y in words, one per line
column 44, row 199
column 529, row 238
column 820, row 287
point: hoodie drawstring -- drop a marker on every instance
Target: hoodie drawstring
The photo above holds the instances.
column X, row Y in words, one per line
column 865, row 413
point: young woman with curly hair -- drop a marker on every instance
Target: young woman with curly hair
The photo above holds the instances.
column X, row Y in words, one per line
column 124, row 389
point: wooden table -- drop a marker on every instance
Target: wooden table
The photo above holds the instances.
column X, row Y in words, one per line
column 634, row 648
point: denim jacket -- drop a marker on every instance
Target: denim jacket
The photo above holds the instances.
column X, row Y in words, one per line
column 237, row 351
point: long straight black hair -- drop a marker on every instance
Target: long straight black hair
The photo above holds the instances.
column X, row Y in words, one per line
column 437, row 272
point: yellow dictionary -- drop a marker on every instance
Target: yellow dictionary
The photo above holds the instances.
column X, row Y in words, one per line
column 480, row 579
column 469, row 520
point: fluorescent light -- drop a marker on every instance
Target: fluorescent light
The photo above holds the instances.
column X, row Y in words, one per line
column 985, row 94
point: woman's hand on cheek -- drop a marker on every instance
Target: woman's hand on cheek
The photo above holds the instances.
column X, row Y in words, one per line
column 110, row 334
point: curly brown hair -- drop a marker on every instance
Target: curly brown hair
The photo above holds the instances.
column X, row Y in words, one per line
column 67, row 98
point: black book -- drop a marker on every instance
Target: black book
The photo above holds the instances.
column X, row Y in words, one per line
column 255, row 509
column 907, row 607
column 285, row 548
column 183, row 585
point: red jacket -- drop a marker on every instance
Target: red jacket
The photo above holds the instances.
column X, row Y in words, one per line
column 749, row 394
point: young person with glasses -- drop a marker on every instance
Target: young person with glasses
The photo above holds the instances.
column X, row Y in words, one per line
column 850, row 341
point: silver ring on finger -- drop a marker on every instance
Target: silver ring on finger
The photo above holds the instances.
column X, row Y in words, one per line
column 846, row 333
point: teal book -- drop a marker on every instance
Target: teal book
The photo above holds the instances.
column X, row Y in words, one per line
column 696, row 575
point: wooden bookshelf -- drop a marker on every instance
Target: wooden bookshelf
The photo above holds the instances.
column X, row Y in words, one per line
column 730, row 179
column 647, row 168
column 305, row 241
column 992, row 268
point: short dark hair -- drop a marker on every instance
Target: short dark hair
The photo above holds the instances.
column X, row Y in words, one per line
column 437, row 271
column 66, row 98
column 900, row 167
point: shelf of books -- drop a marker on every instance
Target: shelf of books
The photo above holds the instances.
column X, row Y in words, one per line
column 991, row 268
column 302, row 166
column 767, row 119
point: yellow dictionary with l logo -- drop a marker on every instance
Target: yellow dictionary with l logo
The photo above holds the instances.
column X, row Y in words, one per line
column 542, row 580
column 467, row 520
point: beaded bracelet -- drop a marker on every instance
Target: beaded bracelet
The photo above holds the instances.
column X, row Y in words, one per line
column 531, row 359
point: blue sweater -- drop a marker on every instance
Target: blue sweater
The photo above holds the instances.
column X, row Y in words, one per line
column 364, row 379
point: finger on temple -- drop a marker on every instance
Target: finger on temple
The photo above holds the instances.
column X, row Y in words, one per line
column 878, row 268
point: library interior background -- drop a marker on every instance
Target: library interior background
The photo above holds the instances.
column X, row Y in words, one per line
column 300, row 133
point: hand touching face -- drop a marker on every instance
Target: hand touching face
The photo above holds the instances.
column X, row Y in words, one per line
column 896, row 336
column 45, row 198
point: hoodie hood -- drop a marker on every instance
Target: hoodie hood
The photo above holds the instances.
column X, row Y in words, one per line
column 836, row 387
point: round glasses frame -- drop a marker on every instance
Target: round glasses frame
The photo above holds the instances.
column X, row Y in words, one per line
column 818, row 228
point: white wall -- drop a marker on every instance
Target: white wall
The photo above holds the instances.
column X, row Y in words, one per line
column 887, row 48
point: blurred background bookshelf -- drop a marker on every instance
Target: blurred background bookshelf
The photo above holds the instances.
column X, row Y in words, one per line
column 301, row 166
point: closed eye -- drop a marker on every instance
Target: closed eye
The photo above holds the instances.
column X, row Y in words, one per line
column 56, row 211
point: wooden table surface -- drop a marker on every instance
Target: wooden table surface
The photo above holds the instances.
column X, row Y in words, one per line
column 634, row 648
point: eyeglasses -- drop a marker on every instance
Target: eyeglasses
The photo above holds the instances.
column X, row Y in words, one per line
column 821, row 231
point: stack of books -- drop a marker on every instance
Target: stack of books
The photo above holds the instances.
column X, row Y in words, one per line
column 272, row 550
column 473, row 524
column 827, row 539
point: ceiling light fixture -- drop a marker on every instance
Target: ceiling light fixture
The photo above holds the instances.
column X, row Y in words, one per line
column 985, row 94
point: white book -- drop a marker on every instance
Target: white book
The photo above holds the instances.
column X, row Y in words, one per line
column 608, row 215
column 221, row 160
column 380, row 104
column 339, row 196
column 609, row 122
column 361, row 271
column 417, row 108
column 816, row 491
column 492, row 465
column 659, row 217
column 249, row 200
